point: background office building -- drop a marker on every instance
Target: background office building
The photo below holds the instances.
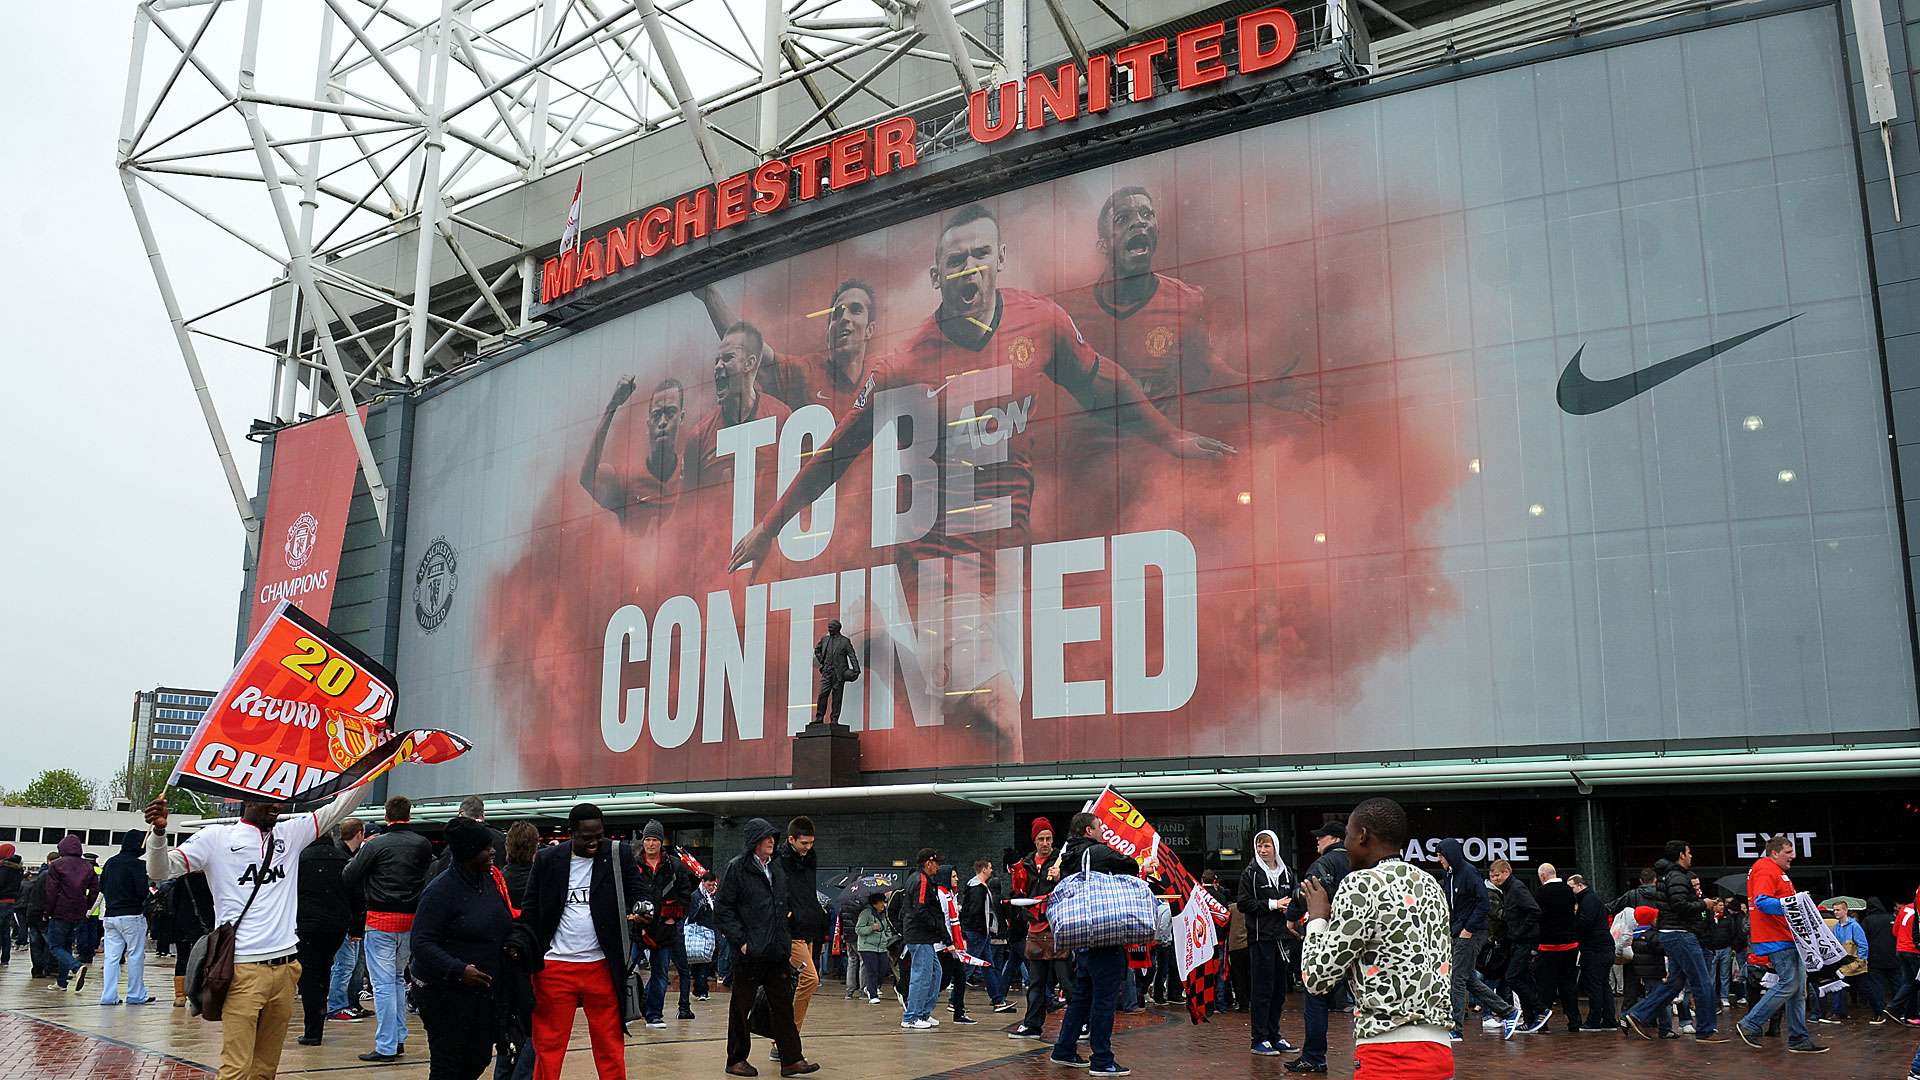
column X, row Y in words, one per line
column 163, row 718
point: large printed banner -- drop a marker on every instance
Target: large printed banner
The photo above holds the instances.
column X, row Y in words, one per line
column 1318, row 438
column 303, row 717
column 311, row 490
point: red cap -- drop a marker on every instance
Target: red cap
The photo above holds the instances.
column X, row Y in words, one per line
column 1040, row 825
column 1646, row 914
column 6, row 851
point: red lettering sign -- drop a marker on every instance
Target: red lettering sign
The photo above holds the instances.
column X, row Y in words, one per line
column 1266, row 39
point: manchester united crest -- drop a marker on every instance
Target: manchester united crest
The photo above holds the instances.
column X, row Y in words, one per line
column 301, row 536
column 433, row 584
column 1020, row 351
column 1159, row 341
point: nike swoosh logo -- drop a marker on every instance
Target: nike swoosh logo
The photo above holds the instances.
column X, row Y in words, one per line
column 935, row 392
column 1583, row 396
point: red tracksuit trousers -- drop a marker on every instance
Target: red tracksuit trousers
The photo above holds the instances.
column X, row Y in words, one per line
column 559, row 988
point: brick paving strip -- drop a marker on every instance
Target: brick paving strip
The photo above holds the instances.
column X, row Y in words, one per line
column 44, row 1050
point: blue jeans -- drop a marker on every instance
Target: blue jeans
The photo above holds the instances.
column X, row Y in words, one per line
column 996, row 970
column 387, row 955
column 60, row 937
column 659, row 959
column 722, row 957
column 1721, row 965
column 1789, row 991
column 1686, row 969
column 1313, row 1049
column 1098, row 974
column 923, row 983
column 126, row 940
column 341, row 978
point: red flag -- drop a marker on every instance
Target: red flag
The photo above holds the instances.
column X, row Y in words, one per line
column 304, row 717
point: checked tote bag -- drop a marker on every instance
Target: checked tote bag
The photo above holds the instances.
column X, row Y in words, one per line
column 1089, row 910
column 698, row 941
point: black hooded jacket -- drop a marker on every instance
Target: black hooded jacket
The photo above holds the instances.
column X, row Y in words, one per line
column 1881, row 951
column 1466, row 891
column 751, row 907
column 123, row 880
column 806, row 919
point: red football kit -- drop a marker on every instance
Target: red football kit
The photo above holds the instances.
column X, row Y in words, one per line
column 1042, row 353
column 1151, row 339
column 809, row 379
column 702, row 465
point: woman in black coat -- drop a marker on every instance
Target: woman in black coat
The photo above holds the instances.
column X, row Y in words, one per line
column 523, row 842
column 459, row 934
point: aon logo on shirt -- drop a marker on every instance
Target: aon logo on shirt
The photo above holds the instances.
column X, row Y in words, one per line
column 273, row 874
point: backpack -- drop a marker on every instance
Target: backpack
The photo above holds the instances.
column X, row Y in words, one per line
column 159, row 905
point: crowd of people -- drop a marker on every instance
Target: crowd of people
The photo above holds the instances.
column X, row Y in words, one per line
column 493, row 943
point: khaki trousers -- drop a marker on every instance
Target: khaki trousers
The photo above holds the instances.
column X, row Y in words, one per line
column 809, row 980
column 253, row 1024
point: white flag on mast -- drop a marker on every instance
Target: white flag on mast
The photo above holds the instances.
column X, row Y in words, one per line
column 570, row 236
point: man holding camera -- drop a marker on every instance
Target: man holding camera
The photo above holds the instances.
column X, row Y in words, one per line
column 660, row 910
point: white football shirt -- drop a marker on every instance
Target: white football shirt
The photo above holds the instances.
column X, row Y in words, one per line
column 231, row 856
column 574, row 940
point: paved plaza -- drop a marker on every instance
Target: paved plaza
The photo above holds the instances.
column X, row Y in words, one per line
column 52, row 1035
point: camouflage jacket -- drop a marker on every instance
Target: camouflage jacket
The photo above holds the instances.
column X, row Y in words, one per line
column 1388, row 934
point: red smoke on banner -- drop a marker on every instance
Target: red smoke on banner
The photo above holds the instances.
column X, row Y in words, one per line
column 304, row 717
column 307, row 501
column 1317, row 546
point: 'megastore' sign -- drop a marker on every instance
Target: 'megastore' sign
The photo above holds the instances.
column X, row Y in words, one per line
column 1266, row 39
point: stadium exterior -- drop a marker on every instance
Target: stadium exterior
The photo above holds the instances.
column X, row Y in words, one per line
column 1462, row 555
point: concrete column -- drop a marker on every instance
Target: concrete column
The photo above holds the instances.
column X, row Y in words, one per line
column 1593, row 846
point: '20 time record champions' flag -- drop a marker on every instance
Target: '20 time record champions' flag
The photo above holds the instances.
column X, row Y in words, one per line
column 304, row 717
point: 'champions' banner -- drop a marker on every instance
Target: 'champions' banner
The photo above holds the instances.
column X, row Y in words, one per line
column 312, row 487
column 304, row 717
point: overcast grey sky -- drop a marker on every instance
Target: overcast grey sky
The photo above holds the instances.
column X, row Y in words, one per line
column 121, row 552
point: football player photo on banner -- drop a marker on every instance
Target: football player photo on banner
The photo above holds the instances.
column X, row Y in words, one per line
column 1313, row 438
column 303, row 717
column 311, row 488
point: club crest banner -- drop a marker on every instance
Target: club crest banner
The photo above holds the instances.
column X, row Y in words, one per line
column 306, row 523
column 304, row 717
column 1194, row 935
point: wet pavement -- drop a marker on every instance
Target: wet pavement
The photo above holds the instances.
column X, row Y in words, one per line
column 53, row 1035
